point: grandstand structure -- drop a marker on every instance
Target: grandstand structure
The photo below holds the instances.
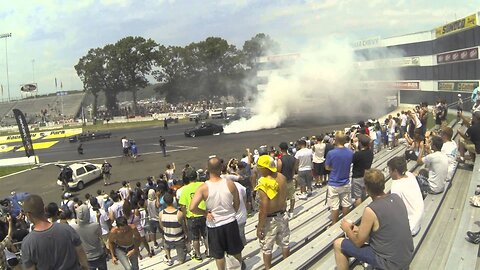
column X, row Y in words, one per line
column 437, row 63
column 33, row 107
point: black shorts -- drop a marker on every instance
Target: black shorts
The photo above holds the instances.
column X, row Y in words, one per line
column 196, row 228
column 318, row 168
column 125, row 151
column 223, row 239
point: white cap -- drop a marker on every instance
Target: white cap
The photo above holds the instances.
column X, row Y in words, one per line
column 459, row 95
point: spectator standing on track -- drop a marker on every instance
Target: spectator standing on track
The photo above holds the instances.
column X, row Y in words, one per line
column 436, row 162
column 222, row 203
column 163, row 145
column 124, row 243
column 384, row 225
column 319, row 161
column 106, row 172
column 338, row 162
column 125, row 146
column 91, row 235
column 362, row 160
column 50, row 245
column 272, row 218
column 286, row 166
column 304, row 166
column 405, row 185
column 165, row 123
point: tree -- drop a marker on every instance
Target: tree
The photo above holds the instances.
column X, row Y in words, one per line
column 92, row 72
column 134, row 57
column 259, row 45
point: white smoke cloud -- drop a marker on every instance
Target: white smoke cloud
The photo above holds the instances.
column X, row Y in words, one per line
column 322, row 83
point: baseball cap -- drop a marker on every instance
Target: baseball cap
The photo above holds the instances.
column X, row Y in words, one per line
column 266, row 162
column 459, row 95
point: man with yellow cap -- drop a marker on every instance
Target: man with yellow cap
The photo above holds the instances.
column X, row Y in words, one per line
column 272, row 218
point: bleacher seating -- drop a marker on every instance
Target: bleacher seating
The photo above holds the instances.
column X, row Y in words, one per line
column 319, row 253
column 32, row 108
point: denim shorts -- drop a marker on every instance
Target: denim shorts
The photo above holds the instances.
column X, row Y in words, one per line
column 363, row 254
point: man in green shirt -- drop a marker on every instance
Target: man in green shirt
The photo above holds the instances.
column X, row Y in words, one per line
column 196, row 223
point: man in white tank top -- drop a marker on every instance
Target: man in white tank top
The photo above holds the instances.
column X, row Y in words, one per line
column 222, row 203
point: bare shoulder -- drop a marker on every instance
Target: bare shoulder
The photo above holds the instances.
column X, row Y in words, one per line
column 281, row 179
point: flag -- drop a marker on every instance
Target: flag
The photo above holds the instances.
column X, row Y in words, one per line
column 55, row 82
column 24, row 132
column 61, row 85
column 2, row 89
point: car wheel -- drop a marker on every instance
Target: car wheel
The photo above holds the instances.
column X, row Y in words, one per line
column 80, row 185
column 192, row 134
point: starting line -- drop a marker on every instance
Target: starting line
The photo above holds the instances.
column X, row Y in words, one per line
column 182, row 148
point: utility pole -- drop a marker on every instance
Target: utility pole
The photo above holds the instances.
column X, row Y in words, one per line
column 6, row 36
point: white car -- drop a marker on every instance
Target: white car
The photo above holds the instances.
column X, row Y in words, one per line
column 82, row 173
column 216, row 113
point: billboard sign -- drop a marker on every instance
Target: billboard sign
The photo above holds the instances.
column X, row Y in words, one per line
column 456, row 56
column 458, row 25
column 457, row 86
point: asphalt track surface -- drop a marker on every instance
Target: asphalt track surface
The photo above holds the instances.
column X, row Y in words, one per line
column 180, row 149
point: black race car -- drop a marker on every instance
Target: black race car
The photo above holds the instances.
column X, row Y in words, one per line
column 89, row 136
column 203, row 129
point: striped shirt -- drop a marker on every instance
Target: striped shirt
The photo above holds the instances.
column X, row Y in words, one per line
column 173, row 230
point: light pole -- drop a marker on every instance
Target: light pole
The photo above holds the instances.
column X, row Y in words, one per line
column 5, row 36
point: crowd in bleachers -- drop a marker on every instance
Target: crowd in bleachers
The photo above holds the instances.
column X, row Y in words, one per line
column 178, row 209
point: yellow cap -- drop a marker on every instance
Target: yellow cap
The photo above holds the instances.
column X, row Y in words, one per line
column 266, row 162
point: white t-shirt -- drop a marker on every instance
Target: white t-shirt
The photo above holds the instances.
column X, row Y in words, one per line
column 103, row 222
column 418, row 124
column 304, row 157
column 124, row 192
column 393, row 124
column 124, row 143
column 408, row 189
column 241, row 215
column 437, row 165
column 403, row 120
column 450, row 149
column 319, row 153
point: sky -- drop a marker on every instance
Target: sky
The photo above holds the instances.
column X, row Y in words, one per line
column 49, row 36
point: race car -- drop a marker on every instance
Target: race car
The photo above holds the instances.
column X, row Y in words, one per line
column 89, row 136
column 204, row 129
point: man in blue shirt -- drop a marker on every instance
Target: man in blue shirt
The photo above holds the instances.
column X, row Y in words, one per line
column 339, row 161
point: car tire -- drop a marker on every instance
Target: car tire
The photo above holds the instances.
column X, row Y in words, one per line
column 192, row 134
column 80, row 185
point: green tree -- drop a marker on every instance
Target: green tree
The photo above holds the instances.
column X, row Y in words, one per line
column 134, row 57
column 259, row 45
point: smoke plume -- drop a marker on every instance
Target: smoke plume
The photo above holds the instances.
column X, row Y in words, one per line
column 322, row 84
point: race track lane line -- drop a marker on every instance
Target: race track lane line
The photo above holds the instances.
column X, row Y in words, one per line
column 183, row 148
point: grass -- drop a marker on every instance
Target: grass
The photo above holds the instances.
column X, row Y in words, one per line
column 431, row 120
column 13, row 169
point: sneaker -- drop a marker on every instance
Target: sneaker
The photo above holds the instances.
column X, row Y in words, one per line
column 197, row 258
column 473, row 237
column 309, row 193
column 291, row 215
column 167, row 261
column 244, row 266
column 302, row 196
column 155, row 245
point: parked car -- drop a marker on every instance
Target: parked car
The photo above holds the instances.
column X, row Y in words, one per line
column 217, row 113
column 82, row 173
column 204, row 129
column 200, row 115
column 89, row 136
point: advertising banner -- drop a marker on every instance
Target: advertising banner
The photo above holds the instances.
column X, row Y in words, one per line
column 458, row 25
column 457, row 86
column 456, row 56
column 24, row 132
column 366, row 43
column 392, row 85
